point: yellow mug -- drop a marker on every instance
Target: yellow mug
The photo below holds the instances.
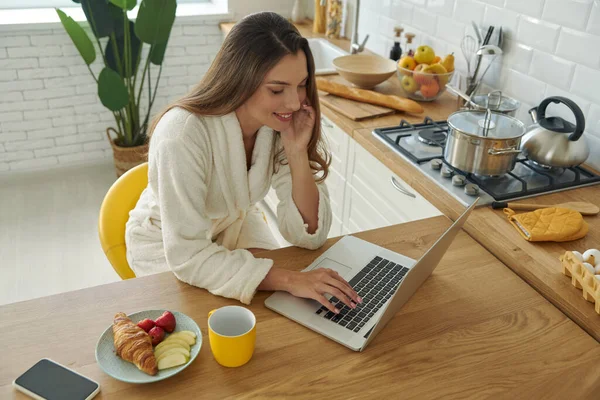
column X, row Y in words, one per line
column 232, row 334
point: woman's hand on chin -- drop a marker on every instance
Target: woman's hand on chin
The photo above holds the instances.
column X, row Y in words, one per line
column 296, row 138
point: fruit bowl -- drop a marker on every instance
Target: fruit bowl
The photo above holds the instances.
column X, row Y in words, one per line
column 423, row 86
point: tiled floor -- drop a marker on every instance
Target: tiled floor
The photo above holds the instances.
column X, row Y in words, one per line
column 48, row 231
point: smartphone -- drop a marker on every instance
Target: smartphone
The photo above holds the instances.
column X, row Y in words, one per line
column 48, row 380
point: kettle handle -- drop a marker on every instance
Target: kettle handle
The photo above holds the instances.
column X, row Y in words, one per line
column 579, row 118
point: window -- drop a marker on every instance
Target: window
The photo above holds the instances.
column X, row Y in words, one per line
column 20, row 4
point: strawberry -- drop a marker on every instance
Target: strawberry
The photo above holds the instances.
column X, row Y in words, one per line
column 157, row 334
column 166, row 321
column 146, row 324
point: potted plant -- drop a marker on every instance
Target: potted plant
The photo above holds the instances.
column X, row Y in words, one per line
column 120, row 85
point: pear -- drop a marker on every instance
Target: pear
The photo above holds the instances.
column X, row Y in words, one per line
column 171, row 361
column 448, row 62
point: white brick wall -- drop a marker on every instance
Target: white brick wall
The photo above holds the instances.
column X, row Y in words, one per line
column 552, row 47
column 49, row 110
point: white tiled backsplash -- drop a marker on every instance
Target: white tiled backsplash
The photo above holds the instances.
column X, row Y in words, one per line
column 552, row 47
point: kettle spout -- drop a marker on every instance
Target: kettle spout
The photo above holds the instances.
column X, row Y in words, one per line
column 534, row 114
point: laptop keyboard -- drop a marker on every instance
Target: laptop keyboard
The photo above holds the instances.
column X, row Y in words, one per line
column 375, row 284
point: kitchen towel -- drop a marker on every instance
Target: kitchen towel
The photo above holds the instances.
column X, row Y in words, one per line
column 549, row 224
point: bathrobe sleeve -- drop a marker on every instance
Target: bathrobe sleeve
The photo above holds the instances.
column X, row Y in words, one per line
column 291, row 223
column 180, row 184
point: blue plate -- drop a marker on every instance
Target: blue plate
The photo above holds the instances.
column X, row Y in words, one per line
column 114, row 366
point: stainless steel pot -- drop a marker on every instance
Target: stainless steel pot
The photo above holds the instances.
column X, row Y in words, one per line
column 496, row 101
column 491, row 152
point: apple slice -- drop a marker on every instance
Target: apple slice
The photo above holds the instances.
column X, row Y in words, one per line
column 171, row 361
column 168, row 341
column 189, row 337
column 167, row 347
column 173, row 351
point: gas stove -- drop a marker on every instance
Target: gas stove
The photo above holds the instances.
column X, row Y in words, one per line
column 423, row 145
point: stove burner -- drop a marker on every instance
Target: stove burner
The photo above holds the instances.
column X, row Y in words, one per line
column 547, row 168
column 432, row 137
column 423, row 144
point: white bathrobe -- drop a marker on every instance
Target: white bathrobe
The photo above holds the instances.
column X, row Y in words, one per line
column 198, row 212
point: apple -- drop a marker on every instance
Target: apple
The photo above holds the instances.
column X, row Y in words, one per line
column 440, row 71
column 174, row 351
column 430, row 89
column 166, row 321
column 408, row 63
column 146, row 324
column 167, row 347
column 157, row 334
column 171, row 361
column 179, row 341
column 409, row 85
column 420, row 76
column 424, row 55
column 189, row 339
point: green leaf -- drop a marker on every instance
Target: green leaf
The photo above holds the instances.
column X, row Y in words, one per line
column 111, row 90
column 125, row 4
column 136, row 47
column 79, row 37
column 157, row 53
column 104, row 17
column 154, row 20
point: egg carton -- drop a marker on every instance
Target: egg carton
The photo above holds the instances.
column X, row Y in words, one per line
column 584, row 274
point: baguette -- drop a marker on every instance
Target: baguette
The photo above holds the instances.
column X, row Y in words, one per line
column 369, row 96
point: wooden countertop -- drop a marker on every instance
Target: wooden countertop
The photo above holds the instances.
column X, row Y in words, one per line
column 536, row 263
column 474, row 329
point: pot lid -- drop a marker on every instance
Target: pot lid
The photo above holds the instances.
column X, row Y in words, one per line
column 506, row 103
column 502, row 126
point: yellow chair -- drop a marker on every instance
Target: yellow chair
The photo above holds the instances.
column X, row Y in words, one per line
column 114, row 213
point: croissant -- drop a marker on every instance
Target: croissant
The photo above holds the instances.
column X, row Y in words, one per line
column 133, row 344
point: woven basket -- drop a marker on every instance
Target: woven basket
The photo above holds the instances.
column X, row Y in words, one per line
column 127, row 157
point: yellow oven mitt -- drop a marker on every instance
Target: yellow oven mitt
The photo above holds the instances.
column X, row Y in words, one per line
column 549, row 224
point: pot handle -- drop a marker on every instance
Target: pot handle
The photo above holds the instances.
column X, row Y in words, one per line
column 579, row 118
column 501, row 152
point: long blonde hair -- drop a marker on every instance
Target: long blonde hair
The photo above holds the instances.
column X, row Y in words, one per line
column 252, row 48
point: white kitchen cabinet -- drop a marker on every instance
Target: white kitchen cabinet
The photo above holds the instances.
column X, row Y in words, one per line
column 376, row 197
column 337, row 144
column 364, row 193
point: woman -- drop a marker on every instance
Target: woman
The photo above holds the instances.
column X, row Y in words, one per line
column 214, row 154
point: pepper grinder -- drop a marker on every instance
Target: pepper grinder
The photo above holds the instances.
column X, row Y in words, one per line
column 409, row 46
column 396, row 52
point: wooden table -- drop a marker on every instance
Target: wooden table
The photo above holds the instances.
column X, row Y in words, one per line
column 474, row 330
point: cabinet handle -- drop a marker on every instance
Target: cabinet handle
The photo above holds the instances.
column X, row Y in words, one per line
column 325, row 123
column 401, row 189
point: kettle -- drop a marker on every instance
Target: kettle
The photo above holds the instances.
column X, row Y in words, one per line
column 552, row 141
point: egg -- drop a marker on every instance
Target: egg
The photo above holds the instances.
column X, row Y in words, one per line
column 592, row 256
column 589, row 267
column 597, row 269
column 598, row 277
column 578, row 255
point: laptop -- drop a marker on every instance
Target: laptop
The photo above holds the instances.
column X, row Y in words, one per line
column 385, row 280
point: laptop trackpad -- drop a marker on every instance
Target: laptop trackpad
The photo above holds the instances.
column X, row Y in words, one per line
column 337, row 267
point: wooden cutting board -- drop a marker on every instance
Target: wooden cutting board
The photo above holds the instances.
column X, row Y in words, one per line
column 353, row 109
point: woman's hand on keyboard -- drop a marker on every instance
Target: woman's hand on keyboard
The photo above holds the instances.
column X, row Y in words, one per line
column 316, row 283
